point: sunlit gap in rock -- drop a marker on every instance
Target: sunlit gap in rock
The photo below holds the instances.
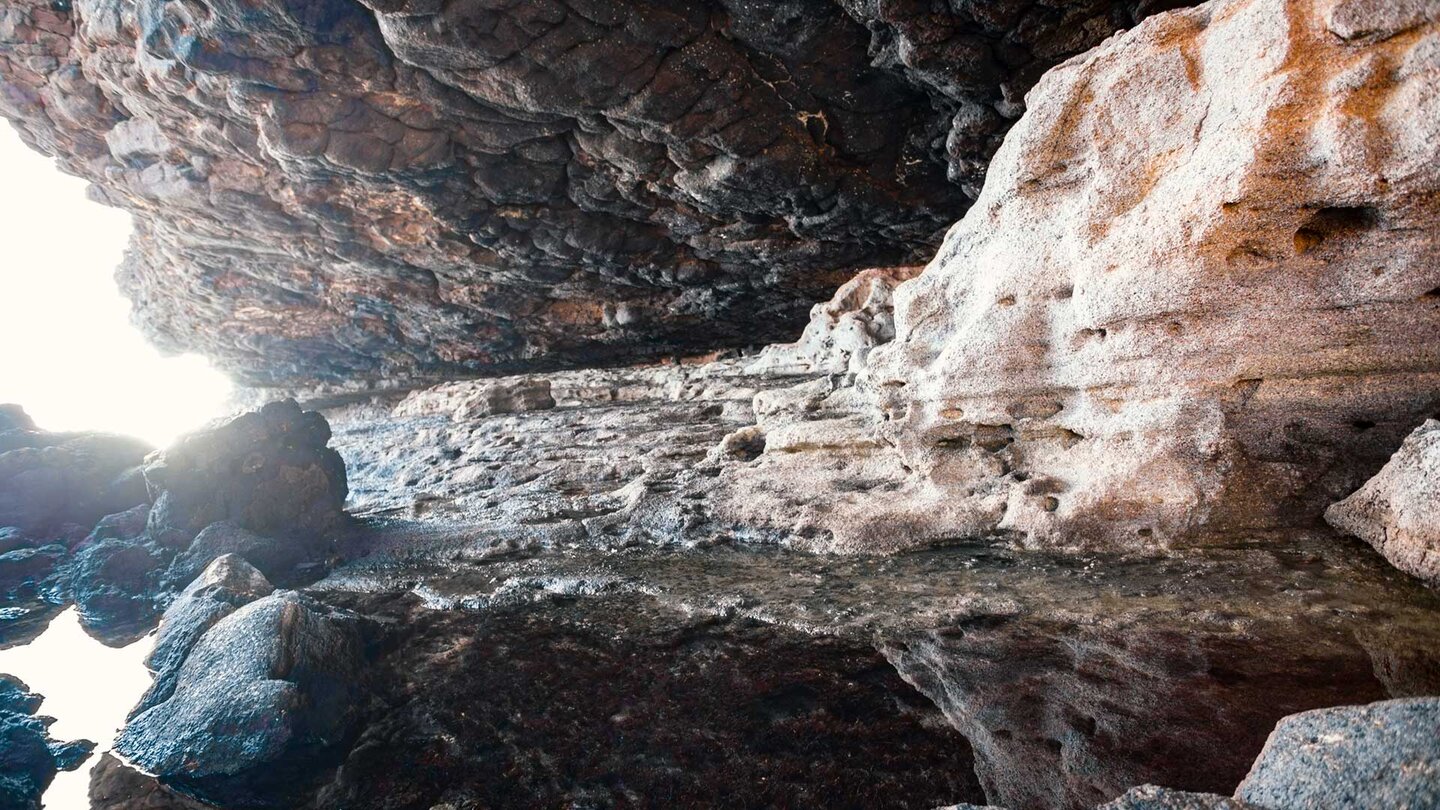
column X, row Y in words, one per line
column 70, row 355
column 88, row 689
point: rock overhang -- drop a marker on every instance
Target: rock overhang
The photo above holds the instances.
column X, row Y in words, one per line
column 336, row 190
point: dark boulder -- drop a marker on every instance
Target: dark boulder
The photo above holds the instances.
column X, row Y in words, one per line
column 267, row 471
column 226, row 585
column 113, row 786
column 114, row 584
column 286, row 561
column 265, row 693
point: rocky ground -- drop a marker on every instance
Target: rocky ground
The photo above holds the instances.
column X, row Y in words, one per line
column 1111, row 505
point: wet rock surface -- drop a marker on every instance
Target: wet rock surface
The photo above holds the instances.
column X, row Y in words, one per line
column 1015, row 678
column 29, row 758
column 256, row 699
column 1102, row 426
column 385, row 189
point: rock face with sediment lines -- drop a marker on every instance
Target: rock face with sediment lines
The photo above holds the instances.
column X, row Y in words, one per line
column 1197, row 296
column 394, row 188
column 842, row 331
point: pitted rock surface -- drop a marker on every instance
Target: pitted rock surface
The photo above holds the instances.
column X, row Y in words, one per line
column 1196, row 300
column 337, row 189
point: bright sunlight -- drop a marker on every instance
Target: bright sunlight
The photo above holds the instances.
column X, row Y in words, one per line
column 70, row 355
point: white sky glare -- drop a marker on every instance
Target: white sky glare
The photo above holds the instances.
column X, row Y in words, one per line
column 68, row 352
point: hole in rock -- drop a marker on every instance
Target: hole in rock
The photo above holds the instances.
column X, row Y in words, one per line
column 1362, row 425
column 1435, row 293
column 1334, row 222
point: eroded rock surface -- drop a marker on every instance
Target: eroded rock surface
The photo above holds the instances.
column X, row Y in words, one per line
column 842, row 331
column 1195, row 299
column 1398, row 511
column 342, row 189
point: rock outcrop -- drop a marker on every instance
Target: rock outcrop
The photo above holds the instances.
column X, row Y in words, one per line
column 1193, row 306
column 92, row 519
column 1381, row 755
column 257, row 698
column 263, row 485
column 1398, row 511
column 54, row 489
column 1195, row 300
column 55, row 484
column 842, row 331
column 389, row 188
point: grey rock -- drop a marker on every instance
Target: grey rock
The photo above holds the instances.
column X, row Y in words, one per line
column 1381, row 755
column 267, row 471
column 1152, row 797
column 276, row 558
column 264, row 692
column 228, row 583
column 1398, row 511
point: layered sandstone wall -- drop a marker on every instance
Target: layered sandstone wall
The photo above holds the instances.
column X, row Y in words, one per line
column 1196, row 299
column 337, row 190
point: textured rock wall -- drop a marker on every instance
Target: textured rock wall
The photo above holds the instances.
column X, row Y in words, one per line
column 1198, row 292
column 335, row 190
column 1225, row 311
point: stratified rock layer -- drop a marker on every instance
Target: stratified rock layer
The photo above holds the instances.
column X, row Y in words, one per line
column 340, row 189
column 1398, row 511
column 1198, row 293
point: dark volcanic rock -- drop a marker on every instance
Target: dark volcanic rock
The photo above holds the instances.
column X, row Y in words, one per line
column 29, row 759
column 268, row 471
column 275, row 558
column 83, row 519
column 113, row 786
column 114, row 584
column 259, row 697
column 53, row 485
column 341, row 189
column 1381, row 755
column 228, row 584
